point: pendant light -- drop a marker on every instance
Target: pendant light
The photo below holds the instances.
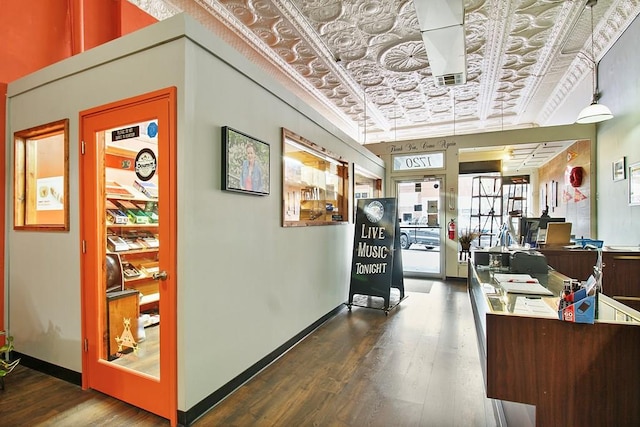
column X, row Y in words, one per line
column 595, row 112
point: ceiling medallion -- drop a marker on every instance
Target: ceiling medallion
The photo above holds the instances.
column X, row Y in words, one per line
column 405, row 56
column 404, row 83
column 379, row 26
column 326, row 13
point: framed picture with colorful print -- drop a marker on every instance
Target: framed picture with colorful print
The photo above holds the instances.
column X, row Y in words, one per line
column 245, row 163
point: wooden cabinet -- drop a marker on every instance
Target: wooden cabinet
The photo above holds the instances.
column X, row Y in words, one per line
column 621, row 278
column 576, row 264
column 621, row 272
column 122, row 321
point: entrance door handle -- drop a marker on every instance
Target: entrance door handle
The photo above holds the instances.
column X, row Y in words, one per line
column 161, row 275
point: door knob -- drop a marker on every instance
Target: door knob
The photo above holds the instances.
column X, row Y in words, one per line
column 161, row 275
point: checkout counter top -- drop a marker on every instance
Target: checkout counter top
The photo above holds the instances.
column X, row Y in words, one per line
column 493, row 299
column 542, row 371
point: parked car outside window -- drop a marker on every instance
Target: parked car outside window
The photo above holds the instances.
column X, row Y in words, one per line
column 417, row 231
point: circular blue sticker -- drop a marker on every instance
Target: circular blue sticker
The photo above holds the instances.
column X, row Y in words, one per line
column 152, row 129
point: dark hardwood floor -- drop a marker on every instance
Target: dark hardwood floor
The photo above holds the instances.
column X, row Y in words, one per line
column 418, row 366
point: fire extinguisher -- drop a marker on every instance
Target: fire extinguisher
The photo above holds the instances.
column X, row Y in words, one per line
column 452, row 229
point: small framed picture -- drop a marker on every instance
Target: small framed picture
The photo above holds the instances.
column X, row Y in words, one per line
column 634, row 184
column 619, row 169
column 245, row 163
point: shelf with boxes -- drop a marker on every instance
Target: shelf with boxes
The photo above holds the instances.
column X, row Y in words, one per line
column 314, row 184
column 131, row 225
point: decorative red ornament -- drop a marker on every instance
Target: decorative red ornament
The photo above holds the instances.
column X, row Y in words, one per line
column 575, row 177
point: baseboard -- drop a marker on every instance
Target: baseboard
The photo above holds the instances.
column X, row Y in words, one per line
column 199, row 409
column 59, row 372
column 186, row 418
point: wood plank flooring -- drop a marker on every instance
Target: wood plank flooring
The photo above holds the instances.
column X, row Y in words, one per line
column 418, row 366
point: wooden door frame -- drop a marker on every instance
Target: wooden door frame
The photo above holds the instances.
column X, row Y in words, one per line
column 3, row 193
column 88, row 239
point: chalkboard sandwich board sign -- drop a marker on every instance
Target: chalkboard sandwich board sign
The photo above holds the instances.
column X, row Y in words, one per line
column 377, row 260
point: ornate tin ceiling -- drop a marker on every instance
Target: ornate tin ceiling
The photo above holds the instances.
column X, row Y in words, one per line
column 362, row 63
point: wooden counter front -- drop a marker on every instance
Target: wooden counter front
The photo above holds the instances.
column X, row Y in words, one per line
column 573, row 263
column 621, row 273
column 573, row 374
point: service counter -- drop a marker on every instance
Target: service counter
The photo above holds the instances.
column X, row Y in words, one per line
column 621, row 274
column 546, row 372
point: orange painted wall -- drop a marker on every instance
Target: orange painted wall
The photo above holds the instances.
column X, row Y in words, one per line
column 132, row 18
column 32, row 37
column 38, row 33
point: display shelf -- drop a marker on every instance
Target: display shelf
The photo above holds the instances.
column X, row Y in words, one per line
column 486, row 208
column 314, row 184
column 132, row 227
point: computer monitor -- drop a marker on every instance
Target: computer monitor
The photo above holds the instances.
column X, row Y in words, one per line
column 529, row 228
column 558, row 233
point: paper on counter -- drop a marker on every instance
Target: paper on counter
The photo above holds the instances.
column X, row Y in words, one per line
column 525, row 288
column 506, row 277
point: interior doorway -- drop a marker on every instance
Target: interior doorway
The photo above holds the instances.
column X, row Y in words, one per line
column 128, row 230
column 421, row 216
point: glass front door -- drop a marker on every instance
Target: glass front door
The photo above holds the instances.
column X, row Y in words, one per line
column 128, row 227
column 421, row 226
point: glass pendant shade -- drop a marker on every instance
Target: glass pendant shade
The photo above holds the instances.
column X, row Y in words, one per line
column 594, row 113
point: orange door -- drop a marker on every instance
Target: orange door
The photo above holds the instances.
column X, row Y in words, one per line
column 128, row 228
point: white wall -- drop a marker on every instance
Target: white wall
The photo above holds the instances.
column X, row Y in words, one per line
column 619, row 81
column 245, row 284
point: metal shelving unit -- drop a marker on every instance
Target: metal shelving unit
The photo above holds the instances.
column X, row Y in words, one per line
column 486, row 208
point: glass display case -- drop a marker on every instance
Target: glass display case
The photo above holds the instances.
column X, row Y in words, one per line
column 314, row 184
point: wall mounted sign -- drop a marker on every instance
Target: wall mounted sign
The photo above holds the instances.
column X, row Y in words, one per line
column 125, row 133
column 418, row 161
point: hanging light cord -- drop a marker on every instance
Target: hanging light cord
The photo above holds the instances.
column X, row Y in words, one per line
column 591, row 4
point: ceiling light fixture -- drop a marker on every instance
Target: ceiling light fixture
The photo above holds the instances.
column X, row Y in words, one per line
column 595, row 112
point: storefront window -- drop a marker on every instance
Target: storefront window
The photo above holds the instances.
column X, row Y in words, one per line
column 41, row 187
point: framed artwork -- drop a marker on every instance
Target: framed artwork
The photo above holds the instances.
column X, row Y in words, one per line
column 245, row 163
column 619, row 169
column 634, row 184
column 554, row 194
column 41, row 178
